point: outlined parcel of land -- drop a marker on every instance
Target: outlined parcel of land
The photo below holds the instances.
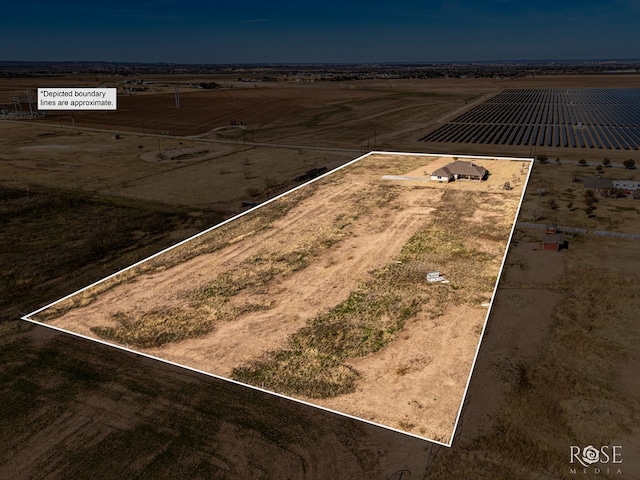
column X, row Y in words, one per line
column 321, row 294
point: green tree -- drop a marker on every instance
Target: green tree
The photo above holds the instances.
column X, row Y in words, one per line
column 631, row 163
column 582, row 162
column 606, row 162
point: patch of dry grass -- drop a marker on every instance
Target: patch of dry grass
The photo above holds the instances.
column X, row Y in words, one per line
column 212, row 302
column 377, row 310
column 312, row 364
column 153, row 328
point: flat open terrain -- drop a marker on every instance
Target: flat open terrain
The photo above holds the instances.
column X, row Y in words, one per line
column 176, row 171
column 557, row 366
column 288, row 128
column 263, row 299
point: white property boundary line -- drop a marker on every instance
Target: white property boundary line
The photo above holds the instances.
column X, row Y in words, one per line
column 493, row 296
column 136, row 352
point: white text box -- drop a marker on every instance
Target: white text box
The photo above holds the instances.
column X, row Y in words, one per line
column 77, row 99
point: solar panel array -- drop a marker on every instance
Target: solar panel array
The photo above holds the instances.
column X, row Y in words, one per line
column 606, row 118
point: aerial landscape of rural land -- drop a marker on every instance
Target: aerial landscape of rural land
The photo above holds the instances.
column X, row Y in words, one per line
column 359, row 343
column 394, row 252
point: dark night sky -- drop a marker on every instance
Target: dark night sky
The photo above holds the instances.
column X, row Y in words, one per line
column 198, row 31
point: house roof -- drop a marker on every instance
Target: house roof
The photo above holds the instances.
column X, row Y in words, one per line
column 442, row 172
column 553, row 238
column 597, row 182
column 460, row 167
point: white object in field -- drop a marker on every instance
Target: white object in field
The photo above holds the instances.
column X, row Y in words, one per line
column 435, row 277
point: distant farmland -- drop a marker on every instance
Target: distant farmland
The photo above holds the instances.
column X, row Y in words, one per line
column 553, row 117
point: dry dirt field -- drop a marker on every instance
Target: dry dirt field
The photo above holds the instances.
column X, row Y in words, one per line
column 334, row 114
column 151, row 168
column 557, row 366
column 264, row 298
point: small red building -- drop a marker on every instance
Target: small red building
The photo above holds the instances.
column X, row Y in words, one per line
column 553, row 242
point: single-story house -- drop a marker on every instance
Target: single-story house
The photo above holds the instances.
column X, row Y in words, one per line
column 442, row 175
column 458, row 170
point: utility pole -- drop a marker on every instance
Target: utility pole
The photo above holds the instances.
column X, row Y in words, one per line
column 30, row 100
column 17, row 105
column 177, row 96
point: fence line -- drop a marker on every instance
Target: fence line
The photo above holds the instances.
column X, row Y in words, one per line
column 602, row 233
column 530, row 225
column 571, row 229
column 544, row 225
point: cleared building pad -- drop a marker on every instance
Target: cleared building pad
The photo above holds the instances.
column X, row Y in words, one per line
column 321, row 294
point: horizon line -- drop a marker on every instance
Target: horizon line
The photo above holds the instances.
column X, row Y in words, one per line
column 327, row 63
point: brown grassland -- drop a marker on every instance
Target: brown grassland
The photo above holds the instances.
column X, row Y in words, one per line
column 557, row 366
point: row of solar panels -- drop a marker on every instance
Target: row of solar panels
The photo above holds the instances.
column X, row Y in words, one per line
column 555, row 114
column 588, row 136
